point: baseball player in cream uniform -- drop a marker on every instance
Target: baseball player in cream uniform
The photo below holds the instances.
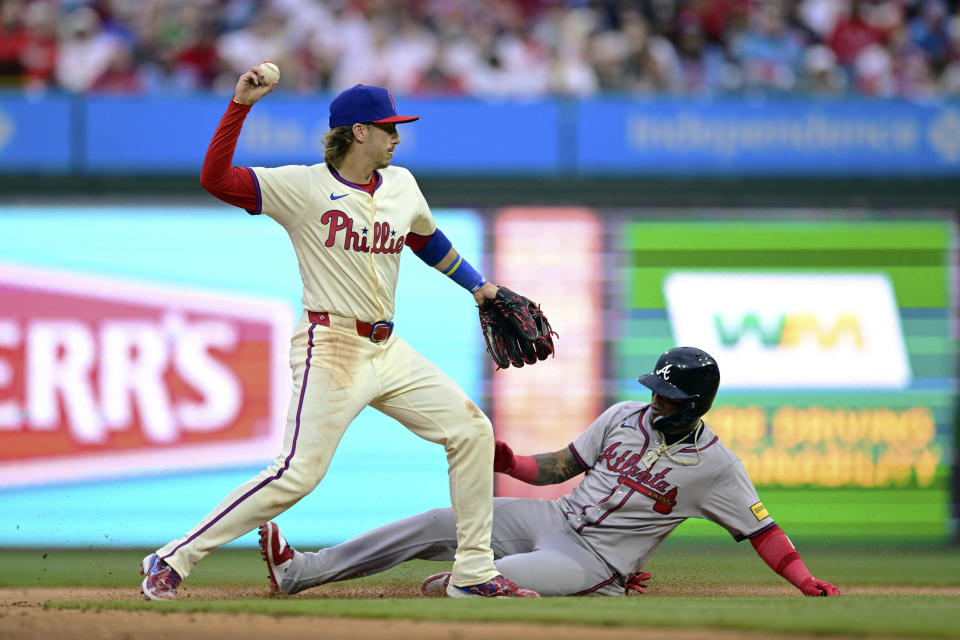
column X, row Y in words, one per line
column 349, row 220
column 648, row 467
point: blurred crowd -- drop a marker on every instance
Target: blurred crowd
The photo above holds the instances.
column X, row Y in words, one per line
column 490, row 48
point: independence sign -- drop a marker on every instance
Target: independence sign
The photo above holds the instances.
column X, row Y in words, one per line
column 788, row 138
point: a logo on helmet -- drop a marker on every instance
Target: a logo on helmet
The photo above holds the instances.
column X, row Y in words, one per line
column 665, row 372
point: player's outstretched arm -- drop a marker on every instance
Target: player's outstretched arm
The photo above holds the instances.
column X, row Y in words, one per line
column 234, row 185
column 778, row 552
column 543, row 468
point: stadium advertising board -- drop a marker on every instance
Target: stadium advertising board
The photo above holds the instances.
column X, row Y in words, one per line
column 101, row 376
column 101, row 134
column 774, row 137
column 848, row 382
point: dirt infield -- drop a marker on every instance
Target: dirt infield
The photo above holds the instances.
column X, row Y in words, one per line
column 23, row 616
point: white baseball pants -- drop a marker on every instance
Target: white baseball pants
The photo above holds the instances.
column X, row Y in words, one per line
column 336, row 373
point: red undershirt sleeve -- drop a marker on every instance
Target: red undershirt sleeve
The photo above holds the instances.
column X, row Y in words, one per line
column 234, row 185
column 416, row 241
column 780, row 555
column 525, row 469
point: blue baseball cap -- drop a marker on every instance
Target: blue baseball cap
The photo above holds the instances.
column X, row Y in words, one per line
column 365, row 103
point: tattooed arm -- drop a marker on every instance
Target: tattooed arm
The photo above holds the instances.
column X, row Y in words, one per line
column 556, row 467
column 543, row 468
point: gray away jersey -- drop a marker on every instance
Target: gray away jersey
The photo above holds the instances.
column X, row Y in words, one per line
column 624, row 510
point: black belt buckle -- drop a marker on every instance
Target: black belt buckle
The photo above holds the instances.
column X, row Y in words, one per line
column 380, row 331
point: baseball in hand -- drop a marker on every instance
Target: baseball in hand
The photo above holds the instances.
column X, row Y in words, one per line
column 270, row 71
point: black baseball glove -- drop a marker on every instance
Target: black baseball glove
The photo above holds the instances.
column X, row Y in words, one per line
column 515, row 329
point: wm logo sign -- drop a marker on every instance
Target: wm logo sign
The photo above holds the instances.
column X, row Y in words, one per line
column 792, row 331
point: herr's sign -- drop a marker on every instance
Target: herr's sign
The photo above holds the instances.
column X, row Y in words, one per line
column 781, row 330
column 101, row 377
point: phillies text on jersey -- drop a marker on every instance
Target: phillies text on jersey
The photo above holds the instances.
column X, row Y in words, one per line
column 348, row 242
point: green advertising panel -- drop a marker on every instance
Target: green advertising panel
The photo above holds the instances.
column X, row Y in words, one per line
column 833, row 335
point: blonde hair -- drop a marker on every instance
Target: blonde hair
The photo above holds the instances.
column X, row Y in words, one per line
column 336, row 143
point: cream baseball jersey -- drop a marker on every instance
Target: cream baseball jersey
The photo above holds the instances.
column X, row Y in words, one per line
column 631, row 498
column 348, row 242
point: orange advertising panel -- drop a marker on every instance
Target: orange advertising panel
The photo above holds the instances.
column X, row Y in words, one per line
column 104, row 377
column 553, row 256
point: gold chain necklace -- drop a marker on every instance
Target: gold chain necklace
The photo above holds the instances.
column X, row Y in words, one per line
column 651, row 456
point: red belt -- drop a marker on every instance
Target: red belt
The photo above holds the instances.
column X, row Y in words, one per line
column 376, row 331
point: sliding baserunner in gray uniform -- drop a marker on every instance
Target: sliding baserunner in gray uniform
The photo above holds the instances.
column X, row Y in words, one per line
column 649, row 467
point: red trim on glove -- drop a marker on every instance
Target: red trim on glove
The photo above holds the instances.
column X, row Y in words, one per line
column 525, row 468
column 233, row 185
column 781, row 556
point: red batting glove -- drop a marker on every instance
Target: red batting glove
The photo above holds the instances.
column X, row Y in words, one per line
column 638, row 582
column 813, row 587
column 503, row 461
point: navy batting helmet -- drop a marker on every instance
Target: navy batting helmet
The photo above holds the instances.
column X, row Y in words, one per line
column 689, row 377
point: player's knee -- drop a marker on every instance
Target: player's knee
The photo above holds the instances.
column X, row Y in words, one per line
column 303, row 486
column 476, row 419
column 483, row 429
column 484, row 434
column 301, row 479
column 477, row 432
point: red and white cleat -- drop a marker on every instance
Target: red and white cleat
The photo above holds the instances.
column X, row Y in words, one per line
column 275, row 552
column 435, row 585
